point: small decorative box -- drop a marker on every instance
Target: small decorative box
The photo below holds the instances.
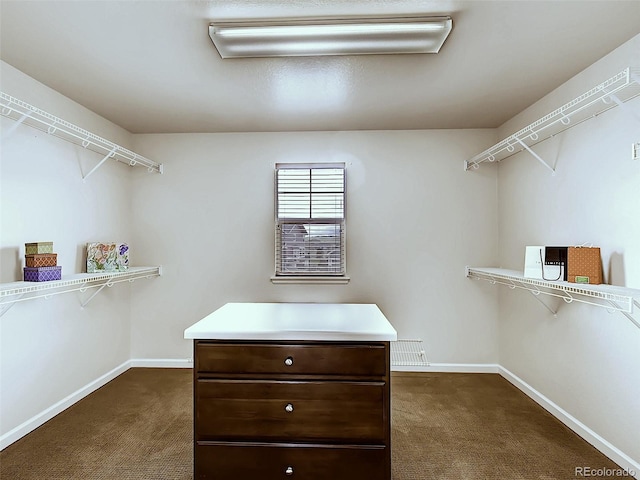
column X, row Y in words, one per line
column 107, row 257
column 42, row 260
column 38, row 247
column 42, row 274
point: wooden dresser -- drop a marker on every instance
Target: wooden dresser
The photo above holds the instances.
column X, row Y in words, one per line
column 286, row 408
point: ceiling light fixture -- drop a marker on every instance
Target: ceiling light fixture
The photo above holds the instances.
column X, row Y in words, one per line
column 312, row 37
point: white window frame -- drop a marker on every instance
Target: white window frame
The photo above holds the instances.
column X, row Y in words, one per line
column 296, row 220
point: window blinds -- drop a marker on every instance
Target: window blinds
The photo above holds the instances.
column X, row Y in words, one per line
column 310, row 217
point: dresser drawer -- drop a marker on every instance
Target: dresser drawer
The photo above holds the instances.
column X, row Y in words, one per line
column 285, row 410
column 282, row 462
column 296, row 359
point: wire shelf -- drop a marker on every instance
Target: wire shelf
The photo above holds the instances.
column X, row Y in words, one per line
column 22, row 112
column 408, row 353
column 616, row 90
column 606, row 296
column 13, row 292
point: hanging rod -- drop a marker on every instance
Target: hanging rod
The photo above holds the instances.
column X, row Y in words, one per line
column 22, row 112
column 605, row 296
column 618, row 89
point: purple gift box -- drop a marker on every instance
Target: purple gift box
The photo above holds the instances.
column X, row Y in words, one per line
column 42, row 274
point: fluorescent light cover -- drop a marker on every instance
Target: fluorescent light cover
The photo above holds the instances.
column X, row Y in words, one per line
column 330, row 37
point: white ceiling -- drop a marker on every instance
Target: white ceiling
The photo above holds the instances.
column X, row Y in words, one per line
column 150, row 67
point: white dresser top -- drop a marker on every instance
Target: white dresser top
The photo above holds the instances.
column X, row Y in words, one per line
column 294, row 321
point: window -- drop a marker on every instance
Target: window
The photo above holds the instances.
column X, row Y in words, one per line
column 310, row 220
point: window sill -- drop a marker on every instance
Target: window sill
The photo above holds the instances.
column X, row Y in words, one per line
column 328, row 280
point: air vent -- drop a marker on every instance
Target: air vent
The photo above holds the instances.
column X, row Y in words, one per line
column 408, row 353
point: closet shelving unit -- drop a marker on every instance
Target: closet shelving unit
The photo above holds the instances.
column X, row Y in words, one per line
column 606, row 296
column 611, row 93
column 22, row 112
column 10, row 293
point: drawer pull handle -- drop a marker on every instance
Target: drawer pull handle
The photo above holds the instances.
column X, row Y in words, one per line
column 288, row 408
column 289, row 471
column 288, row 361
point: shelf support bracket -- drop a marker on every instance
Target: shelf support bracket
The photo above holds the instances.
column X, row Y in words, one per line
column 636, row 304
column 536, row 156
column 105, row 284
column 625, row 107
column 5, row 307
column 22, row 118
column 6, row 111
column 633, row 320
column 109, row 155
column 536, row 294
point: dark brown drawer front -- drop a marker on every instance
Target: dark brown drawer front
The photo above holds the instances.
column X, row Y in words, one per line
column 282, row 410
column 300, row 359
column 280, row 462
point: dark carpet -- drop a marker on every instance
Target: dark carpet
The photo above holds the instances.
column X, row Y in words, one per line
column 444, row 427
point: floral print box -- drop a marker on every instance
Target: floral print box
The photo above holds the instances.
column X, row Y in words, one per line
column 107, row 257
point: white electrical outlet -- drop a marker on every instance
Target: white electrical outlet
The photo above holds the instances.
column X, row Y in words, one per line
column 635, row 151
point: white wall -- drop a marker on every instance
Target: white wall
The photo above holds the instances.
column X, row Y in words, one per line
column 415, row 218
column 586, row 360
column 51, row 348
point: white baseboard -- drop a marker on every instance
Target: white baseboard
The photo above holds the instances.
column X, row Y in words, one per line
column 574, row 424
column 161, row 363
column 448, row 368
column 619, row 457
column 34, row 422
column 24, row 428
